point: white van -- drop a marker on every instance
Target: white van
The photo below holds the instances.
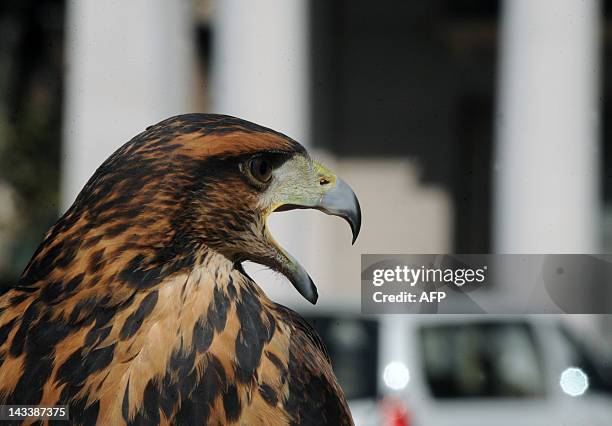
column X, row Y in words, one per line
column 463, row 370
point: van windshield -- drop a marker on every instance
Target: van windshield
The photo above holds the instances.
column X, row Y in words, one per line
column 492, row 359
column 352, row 344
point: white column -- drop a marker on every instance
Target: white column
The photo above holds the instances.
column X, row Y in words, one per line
column 261, row 63
column 129, row 66
column 547, row 192
column 260, row 73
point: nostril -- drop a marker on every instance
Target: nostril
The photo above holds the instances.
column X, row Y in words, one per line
column 323, row 181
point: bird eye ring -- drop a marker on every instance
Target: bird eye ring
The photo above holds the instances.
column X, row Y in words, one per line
column 260, row 169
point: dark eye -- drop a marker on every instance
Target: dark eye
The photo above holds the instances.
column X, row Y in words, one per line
column 260, row 169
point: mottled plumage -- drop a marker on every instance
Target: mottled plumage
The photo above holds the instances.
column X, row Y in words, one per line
column 135, row 308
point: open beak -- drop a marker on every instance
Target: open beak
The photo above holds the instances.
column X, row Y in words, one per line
column 331, row 196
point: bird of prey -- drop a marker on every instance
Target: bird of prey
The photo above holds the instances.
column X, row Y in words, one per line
column 135, row 308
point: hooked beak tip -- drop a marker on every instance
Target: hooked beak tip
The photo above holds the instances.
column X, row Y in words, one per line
column 355, row 220
column 342, row 201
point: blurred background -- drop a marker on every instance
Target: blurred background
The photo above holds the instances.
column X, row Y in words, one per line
column 464, row 126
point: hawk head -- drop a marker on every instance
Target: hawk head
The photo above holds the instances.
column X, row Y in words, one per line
column 199, row 182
